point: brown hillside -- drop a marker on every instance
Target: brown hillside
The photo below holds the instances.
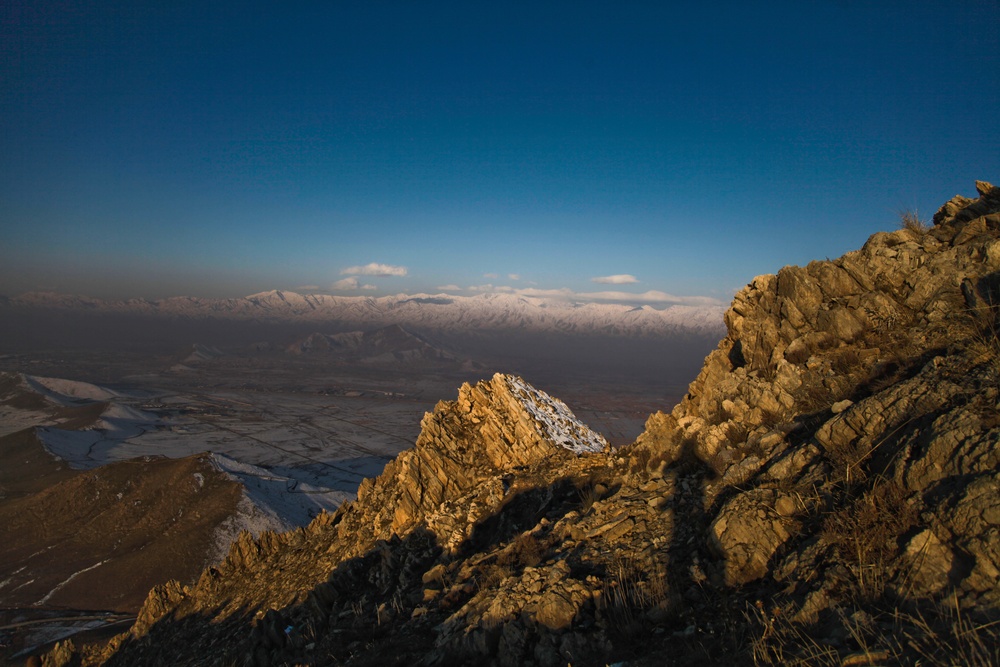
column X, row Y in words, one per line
column 100, row 538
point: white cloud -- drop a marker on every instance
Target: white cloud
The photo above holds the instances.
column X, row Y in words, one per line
column 514, row 276
column 490, row 288
column 449, row 288
column 368, row 287
column 617, row 279
column 653, row 297
column 491, row 276
column 562, row 293
column 650, row 296
column 345, row 284
column 375, row 269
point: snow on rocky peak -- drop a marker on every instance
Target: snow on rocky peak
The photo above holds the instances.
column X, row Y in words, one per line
column 557, row 421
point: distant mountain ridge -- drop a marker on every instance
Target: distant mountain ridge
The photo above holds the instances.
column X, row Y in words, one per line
column 424, row 311
column 392, row 344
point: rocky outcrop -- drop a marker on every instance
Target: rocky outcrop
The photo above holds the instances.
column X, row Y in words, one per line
column 804, row 339
column 850, row 416
column 449, row 481
column 826, row 492
column 469, row 461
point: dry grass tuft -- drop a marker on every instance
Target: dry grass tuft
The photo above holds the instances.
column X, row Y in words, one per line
column 630, row 589
column 945, row 634
column 911, row 221
column 494, row 575
column 783, row 642
column 984, row 342
column 525, row 551
column 866, row 534
column 934, row 633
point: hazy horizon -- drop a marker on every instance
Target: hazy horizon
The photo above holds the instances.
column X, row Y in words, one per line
column 220, row 151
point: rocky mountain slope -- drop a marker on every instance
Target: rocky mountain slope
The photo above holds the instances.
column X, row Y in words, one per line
column 827, row 493
column 92, row 540
column 392, row 345
column 427, row 312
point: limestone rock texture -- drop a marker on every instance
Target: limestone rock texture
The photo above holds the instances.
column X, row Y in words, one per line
column 828, row 492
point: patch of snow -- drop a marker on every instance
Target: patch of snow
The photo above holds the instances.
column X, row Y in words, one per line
column 96, row 445
column 40, row 634
column 74, row 447
column 27, row 583
column 278, row 502
column 122, row 411
column 68, row 392
column 67, row 580
column 13, row 419
column 121, row 422
column 558, row 422
column 247, row 516
column 203, row 353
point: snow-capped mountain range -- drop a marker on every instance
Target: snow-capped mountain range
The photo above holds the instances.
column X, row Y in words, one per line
column 441, row 312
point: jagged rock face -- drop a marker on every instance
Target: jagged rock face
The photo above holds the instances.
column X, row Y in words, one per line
column 800, row 340
column 493, row 427
column 881, row 365
column 464, row 467
column 831, row 475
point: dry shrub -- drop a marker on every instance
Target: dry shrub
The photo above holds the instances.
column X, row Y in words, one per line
column 639, row 458
column 630, row 589
column 770, row 418
column 595, row 485
column 847, row 361
column 932, row 633
column 984, row 338
column 943, row 634
column 525, row 551
column 812, row 396
column 760, row 361
column 780, row 641
column 493, row 576
column 866, row 534
column 588, row 496
column 910, row 221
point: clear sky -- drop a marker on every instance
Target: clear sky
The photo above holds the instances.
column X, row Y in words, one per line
column 224, row 148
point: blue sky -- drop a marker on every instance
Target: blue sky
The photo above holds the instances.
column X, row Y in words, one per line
column 220, row 149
